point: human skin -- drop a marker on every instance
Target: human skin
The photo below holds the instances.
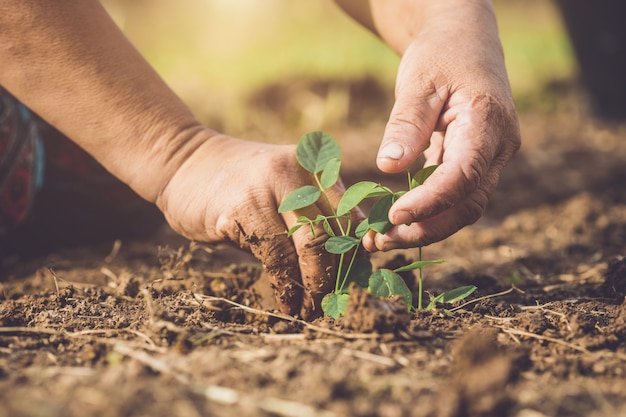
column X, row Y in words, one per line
column 452, row 93
column 69, row 63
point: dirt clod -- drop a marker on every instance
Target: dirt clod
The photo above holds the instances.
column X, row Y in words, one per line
column 366, row 313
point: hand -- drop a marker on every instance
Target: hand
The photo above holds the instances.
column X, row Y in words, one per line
column 454, row 104
column 229, row 190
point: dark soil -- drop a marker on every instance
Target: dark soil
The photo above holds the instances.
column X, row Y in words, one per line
column 164, row 327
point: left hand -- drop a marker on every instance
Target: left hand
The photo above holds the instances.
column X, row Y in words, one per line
column 228, row 190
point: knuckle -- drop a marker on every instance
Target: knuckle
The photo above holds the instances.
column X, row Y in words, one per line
column 473, row 171
column 472, row 210
column 499, row 112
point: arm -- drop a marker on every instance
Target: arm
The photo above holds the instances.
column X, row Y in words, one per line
column 400, row 22
column 71, row 64
column 68, row 62
column 452, row 93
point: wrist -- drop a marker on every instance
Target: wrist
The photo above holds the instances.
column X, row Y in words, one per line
column 150, row 169
column 401, row 22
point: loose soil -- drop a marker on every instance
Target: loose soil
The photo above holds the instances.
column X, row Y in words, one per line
column 163, row 327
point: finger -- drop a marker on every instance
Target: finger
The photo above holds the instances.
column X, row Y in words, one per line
column 444, row 224
column 434, row 153
column 318, row 267
column 369, row 242
column 435, row 228
column 469, row 148
column 410, row 126
column 276, row 252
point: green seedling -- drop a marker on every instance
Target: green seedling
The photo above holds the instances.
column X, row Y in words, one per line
column 452, row 296
column 319, row 154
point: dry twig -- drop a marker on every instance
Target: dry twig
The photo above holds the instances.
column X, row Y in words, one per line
column 486, row 297
column 546, row 338
column 200, row 298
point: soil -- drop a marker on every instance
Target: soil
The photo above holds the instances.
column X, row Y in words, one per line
column 160, row 326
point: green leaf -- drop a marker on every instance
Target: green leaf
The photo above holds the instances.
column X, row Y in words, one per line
column 335, row 305
column 315, row 150
column 341, row 244
column 418, row 265
column 300, row 198
column 458, row 294
column 327, row 228
column 362, row 229
column 421, row 175
column 385, row 283
column 319, row 218
column 330, row 174
column 379, row 191
column 357, row 193
column 359, row 274
column 452, row 296
column 293, row 229
column 379, row 215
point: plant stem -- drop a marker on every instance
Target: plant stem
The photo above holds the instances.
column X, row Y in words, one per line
column 319, row 185
column 337, row 287
column 345, row 277
column 420, row 281
column 344, row 232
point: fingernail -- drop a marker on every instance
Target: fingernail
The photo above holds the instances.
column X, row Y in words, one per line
column 392, row 151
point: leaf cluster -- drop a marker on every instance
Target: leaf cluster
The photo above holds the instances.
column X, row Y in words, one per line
column 319, row 154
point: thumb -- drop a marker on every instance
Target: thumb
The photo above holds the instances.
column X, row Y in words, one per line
column 412, row 121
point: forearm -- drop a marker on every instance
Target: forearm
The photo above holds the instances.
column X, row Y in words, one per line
column 455, row 43
column 69, row 63
column 399, row 22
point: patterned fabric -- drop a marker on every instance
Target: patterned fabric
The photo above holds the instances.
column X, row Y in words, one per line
column 21, row 162
column 64, row 199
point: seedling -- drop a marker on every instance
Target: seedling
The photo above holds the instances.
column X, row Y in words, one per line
column 319, row 154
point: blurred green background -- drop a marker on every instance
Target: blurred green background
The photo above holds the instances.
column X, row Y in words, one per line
column 245, row 65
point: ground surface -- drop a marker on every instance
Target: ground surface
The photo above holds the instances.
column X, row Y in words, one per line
column 160, row 327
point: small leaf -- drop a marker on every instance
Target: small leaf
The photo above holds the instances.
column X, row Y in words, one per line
column 452, row 296
column 458, row 294
column 379, row 191
column 335, row 305
column 330, row 174
column 293, row 229
column 362, row 229
column 418, row 265
column 423, row 174
column 319, row 218
column 341, row 244
column 327, row 228
column 359, row 274
column 385, row 283
column 304, row 220
column 357, row 193
column 379, row 215
column 300, row 198
column 315, row 149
